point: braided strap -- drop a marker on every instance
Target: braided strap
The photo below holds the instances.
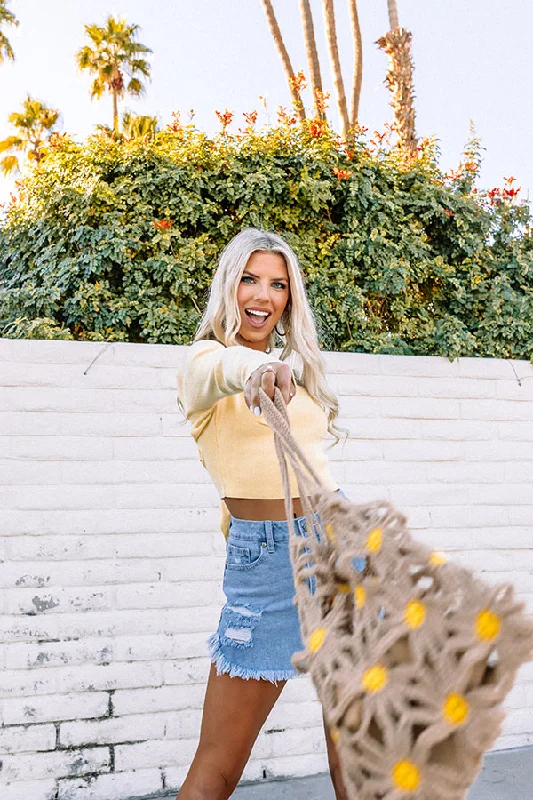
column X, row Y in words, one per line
column 411, row 655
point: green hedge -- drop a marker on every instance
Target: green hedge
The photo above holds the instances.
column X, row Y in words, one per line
column 118, row 240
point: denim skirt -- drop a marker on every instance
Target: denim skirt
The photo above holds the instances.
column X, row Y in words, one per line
column 258, row 630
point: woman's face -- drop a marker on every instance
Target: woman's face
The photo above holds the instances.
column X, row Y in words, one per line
column 263, row 289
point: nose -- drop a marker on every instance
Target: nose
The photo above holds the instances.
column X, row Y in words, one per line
column 261, row 291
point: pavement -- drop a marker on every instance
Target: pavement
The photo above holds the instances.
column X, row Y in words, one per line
column 506, row 775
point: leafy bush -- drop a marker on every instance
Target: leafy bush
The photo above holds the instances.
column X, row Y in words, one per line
column 118, row 240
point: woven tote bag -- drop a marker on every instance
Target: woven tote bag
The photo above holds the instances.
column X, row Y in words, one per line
column 411, row 655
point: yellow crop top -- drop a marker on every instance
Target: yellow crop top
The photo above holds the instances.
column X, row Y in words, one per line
column 235, row 446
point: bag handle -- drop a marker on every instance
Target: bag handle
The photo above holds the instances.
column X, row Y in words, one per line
column 276, row 416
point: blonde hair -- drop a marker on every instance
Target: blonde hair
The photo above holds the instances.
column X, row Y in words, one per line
column 222, row 321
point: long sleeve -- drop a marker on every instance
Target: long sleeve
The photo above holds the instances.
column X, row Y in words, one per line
column 212, row 371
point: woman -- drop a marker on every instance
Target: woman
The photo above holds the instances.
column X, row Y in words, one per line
column 256, row 289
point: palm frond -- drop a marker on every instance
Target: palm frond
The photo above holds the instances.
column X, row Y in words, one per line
column 134, row 126
column 137, row 47
column 95, row 34
column 6, row 16
column 135, row 87
column 11, row 143
column 98, row 87
column 139, row 65
column 6, row 51
column 85, row 58
column 49, row 117
column 9, row 164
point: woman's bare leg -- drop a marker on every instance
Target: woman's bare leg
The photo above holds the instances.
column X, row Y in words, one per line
column 334, row 766
column 234, row 712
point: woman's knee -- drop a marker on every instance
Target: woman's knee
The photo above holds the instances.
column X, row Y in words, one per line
column 221, row 776
column 213, row 775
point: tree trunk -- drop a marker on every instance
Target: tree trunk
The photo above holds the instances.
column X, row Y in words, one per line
column 399, row 81
column 36, row 150
column 393, row 15
column 115, row 111
column 312, row 56
column 357, row 62
column 331, row 36
column 116, row 86
column 285, row 59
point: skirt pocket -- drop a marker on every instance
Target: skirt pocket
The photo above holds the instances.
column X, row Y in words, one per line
column 243, row 557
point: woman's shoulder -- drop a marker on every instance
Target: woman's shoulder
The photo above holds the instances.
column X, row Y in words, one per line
column 205, row 345
column 200, row 348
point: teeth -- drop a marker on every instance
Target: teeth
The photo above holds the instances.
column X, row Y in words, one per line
column 257, row 313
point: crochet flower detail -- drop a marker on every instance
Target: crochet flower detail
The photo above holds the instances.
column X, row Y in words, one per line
column 405, row 776
column 487, row 625
column 374, row 678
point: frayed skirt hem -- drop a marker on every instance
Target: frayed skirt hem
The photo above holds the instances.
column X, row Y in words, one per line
column 223, row 666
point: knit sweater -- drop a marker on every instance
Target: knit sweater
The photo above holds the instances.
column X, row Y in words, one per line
column 235, row 446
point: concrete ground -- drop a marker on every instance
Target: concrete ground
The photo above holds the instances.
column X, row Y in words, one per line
column 507, row 775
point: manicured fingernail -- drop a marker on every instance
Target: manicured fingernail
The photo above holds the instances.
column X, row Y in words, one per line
column 257, row 411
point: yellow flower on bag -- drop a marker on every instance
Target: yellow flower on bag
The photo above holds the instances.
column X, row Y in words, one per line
column 487, row 625
column 316, row 640
column 415, row 614
column 375, row 537
column 456, row 709
column 406, row 776
column 374, row 679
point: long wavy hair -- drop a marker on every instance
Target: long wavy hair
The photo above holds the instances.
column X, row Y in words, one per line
column 221, row 319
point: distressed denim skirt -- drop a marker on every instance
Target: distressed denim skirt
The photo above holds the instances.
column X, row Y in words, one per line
column 258, row 630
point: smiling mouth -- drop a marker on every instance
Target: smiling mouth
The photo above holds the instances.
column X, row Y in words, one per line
column 257, row 319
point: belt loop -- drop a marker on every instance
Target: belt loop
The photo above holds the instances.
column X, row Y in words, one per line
column 270, row 535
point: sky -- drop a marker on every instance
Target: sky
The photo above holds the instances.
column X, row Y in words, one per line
column 473, row 61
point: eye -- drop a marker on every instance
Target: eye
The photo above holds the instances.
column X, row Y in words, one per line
column 280, row 285
column 246, row 278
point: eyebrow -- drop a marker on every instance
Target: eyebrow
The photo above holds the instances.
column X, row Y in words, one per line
column 247, row 272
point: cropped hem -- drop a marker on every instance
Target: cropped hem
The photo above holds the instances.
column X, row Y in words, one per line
column 223, row 666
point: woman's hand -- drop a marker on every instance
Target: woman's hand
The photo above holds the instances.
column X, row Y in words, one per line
column 268, row 376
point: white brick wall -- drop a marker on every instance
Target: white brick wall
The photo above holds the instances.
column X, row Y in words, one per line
column 111, row 560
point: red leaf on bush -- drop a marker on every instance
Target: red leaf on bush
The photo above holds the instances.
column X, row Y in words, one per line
column 317, row 128
column 225, row 117
column 341, row 174
column 250, row 118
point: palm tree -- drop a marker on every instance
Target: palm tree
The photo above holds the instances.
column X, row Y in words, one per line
column 399, row 79
column 137, row 126
column 6, row 18
column 393, row 15
column 357, row 62
column 331, row 36
column 312, row 57
column 116, row 60
column 285, row 58
column 314, row 62
column 34, row 125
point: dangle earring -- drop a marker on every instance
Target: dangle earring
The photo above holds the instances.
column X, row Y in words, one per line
column 280, row 333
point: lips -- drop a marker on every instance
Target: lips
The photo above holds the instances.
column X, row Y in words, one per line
column 256, row 320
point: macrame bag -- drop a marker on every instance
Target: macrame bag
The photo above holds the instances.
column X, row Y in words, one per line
column 411, row 656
